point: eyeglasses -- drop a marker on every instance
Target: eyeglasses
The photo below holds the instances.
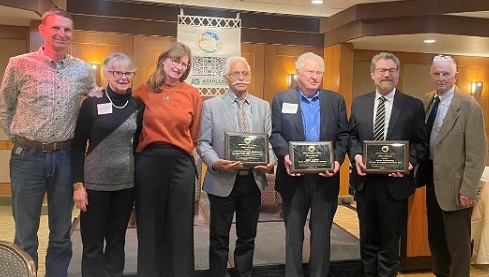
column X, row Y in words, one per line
column 177, row 62
column 236, row 74
column 312, row 72
column 384, row 70
column 119, row 74
column 442, row 57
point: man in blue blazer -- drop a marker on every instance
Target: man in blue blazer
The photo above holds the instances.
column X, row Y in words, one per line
column 231, row 187
column 382, row 198
column 308, row 113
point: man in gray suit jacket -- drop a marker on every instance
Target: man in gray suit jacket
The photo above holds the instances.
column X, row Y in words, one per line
column 308, row 113
column 231, row 187
column 452, row 172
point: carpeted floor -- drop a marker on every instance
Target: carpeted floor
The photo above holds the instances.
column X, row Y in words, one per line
column 269, row 252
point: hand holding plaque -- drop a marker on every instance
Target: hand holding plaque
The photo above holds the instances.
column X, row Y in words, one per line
column 249, row 148
column 385, row 157
column 311, row 156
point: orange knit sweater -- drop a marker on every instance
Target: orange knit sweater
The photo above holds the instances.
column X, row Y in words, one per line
column 170, row 117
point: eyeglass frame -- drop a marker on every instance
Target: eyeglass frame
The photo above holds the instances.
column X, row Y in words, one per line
column 312, row 72
column 131, row 75
column 441, row 57
column 383, row 71
column 177, row 62
column 236, row 74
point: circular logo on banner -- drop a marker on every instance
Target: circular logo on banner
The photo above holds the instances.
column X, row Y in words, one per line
column 209, row 42
column 385, row 148
column 247, row 140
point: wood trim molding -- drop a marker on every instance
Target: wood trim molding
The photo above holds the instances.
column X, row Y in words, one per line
column 6, row 145
column 14, row 32
column 442, row 24
column 161, row 19
column 398, row 9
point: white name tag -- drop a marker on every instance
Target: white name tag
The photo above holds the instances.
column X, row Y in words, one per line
column 289, row 108
column 104, row 108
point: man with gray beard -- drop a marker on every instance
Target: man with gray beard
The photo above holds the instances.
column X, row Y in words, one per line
column 385, row 114
column 231, row 186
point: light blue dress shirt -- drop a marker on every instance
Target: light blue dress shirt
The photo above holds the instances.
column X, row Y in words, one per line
column 311, row 118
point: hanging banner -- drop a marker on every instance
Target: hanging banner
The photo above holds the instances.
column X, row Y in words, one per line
column 212, row 40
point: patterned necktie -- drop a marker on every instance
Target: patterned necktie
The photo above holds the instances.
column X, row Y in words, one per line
column 244, row 126
column 432, row 116
column 380, row 119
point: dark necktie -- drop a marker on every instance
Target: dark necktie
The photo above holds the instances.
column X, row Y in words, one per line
column 380, row 119
column 432, row 116
column 244, row 126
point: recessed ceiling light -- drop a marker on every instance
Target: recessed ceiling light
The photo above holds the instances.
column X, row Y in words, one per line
column 317, row 2
column 429, row 41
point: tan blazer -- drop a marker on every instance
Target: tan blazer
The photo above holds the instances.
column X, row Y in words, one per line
column 460, row 150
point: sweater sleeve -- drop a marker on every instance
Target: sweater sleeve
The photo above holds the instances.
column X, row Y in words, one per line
column 79, row 146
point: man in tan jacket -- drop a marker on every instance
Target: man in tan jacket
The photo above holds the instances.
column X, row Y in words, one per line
column 457, row 156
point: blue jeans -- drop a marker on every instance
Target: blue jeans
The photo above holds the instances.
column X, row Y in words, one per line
column 34, row 173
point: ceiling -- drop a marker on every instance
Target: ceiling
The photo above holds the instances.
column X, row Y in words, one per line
column 17, row 17
column 290, row 7
column 449, row 44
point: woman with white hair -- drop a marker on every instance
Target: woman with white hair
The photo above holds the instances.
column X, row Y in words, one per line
column 103, row 173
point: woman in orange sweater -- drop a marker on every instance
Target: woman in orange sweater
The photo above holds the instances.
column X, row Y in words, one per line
column 165, row 173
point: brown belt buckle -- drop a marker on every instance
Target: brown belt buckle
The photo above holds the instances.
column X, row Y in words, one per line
column 48, row 147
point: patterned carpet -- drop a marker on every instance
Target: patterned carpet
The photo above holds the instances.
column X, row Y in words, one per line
column 269, row 252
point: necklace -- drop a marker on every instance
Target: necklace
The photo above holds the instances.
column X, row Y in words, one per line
column 169, row 97
column 117, row 107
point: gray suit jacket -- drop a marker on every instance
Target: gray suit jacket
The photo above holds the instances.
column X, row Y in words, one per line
column 460, row 150
column 217, row 119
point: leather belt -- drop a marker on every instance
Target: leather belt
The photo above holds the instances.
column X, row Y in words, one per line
column 245, row 172
column 45, row 147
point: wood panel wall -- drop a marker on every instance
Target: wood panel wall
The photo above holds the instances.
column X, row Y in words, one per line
column 13, row 41
column 271, row 64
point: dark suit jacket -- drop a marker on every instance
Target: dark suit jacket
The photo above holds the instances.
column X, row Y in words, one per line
column 406, row 123
column 288, row 127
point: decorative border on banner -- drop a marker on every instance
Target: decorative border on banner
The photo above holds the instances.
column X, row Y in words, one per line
column 205, row 21
column 211, row 92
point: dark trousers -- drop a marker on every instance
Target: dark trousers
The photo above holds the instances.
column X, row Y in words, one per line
column 165, row 185
column 308, row 195
column 449, row 237
column 106, row 220
column 245, row 200
column 381, row 219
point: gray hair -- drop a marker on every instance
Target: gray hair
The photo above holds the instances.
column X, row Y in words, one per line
column 384, row 56
column 58, row 12
column 441, row 57
column 118, row 58
column 231, row 60
column 308, row 55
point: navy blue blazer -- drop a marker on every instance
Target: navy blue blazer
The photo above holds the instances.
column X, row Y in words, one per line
column 289, row 127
